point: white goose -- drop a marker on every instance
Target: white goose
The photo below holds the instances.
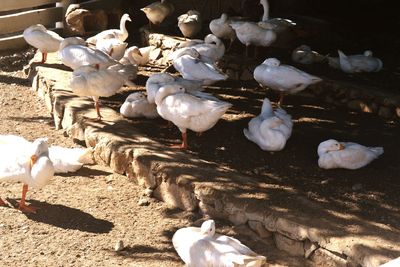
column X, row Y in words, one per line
column 220, row 27
column 156, row 12
column 201, row 246
column 139, row 56
column 157, row 80
column 283, row 78
column 304, row 55
column 187, row 111
column 271, row 129
column 211, row 49
column 25, row 162
column 74, row 53
column 89, row 80
column 279, row 25
column 44, row 40
column 359, row 63
column 190, row 66
column 190, row 23
column 112, row 47
column 120, row 34
column 251, row 33
column 70, row 159
column 136, row 105
column 333, row 154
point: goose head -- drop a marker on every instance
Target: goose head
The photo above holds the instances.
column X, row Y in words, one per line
column 42, row 168
column 273, row 62
column 328, row 146
column 368, row 53
column 208, row 228
column 188, row 52
column 166, row 90
column 125, row 17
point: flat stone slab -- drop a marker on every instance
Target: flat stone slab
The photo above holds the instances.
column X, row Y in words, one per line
column 183, row 179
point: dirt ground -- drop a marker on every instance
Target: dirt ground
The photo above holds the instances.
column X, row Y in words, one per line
column 83, row 215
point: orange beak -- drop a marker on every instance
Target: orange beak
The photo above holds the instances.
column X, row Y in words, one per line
column 33, row 160
column 341, row 147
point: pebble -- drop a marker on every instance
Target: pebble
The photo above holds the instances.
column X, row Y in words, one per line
column 144, row 201
column 119, row 245
column 148, row 192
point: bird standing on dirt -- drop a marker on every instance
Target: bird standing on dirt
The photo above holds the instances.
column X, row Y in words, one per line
column 26, row 162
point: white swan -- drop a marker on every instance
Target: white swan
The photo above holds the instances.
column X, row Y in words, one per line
column 187, row 111
column 44, row 40
column 25, row 162
column 157, row 80
column 135, row 55
column 190, row 23
column 112, row 47
column 304, row 55
column 120, row 34
column 271, row 129
column 199, row 247
column 190, row 66
column 251, row 33
column 333, row 154
column 156, row 12
column 283, row 78
column 359, row 63
column 89, row 80
column 136, row 105
column 211, row 49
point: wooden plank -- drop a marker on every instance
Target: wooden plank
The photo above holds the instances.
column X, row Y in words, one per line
column 101, row 4
column 7, row 5
column 12, row 43
column 20, row 21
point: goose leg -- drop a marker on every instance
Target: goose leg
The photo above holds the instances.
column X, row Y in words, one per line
column 44, row 57
column 247, row 51
column 184, row 142
column 281, row 99
column 97, row 107
column 22, row 206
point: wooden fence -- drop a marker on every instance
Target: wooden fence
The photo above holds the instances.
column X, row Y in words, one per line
column 17, row 15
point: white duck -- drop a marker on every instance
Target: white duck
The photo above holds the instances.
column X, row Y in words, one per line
column 156, row 12
column 25, row 162
column 112, row 47
column 211, row 49
column 120, row 34
column 89, row 80
column 359, row 63
column 251, row 33
column 201, row 246
column 136, row 105
column 304, row 55
column 187, row 111
column 283, row 78
column 157, row 80
column 333, row 154
column 190, row 66
column 139, row 56
column 190, row 23
column 271, row 129
column 44, row 40
column 220, row 27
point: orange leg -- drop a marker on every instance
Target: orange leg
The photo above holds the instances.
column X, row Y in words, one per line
column 97, row 106
column 2, row 203
column 22, row 206
column 44, row 57
column 184, row 142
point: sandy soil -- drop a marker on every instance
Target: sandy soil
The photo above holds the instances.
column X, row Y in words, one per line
column 83, row 215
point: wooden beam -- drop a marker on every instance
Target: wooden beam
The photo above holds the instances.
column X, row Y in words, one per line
column 7, row 5
column 101, row 4
column 12, row 43
column 20, row 21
